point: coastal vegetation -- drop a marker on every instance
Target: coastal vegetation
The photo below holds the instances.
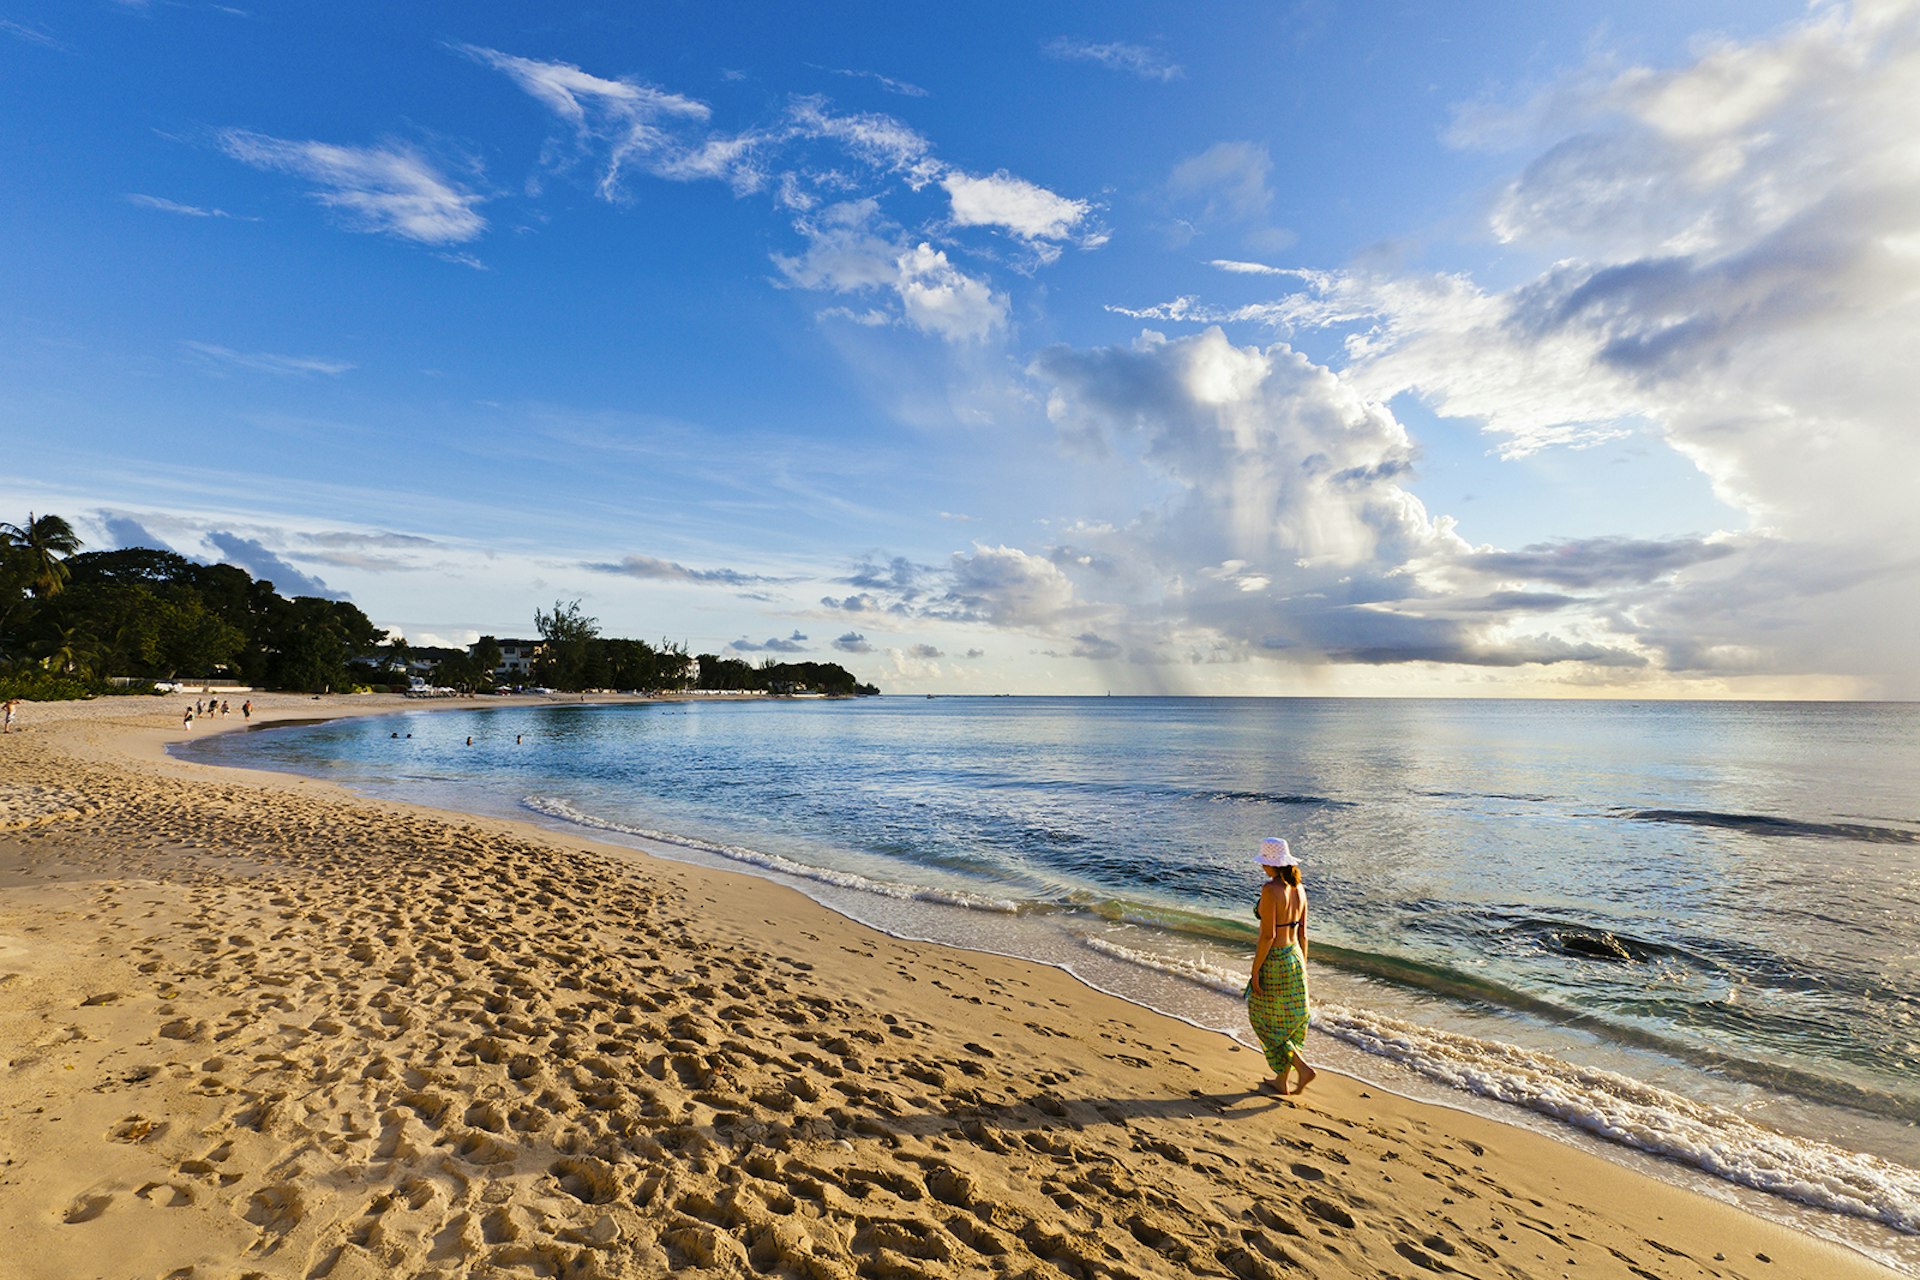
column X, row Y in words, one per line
column 733, row 675
column 74, row 623
column 574, row 656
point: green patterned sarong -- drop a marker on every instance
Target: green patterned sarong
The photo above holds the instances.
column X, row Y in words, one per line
column 1278, row 1011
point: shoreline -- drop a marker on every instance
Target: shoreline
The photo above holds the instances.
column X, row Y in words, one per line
column 939, row 1134
column 1613, row 1096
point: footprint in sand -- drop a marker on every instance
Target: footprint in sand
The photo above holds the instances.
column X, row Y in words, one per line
column 276, row 1210
column 169, row 1195
column 86, row 1208
column 586, row 1179
column 1327, row 1211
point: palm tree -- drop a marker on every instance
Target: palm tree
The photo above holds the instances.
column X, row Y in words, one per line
column 72, row 653
column 42, row 544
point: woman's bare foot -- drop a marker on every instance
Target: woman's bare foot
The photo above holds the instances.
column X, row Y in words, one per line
column 1307, row 1074
column 1275, row 1086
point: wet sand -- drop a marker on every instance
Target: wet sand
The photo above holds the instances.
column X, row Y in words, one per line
column 256, row 1026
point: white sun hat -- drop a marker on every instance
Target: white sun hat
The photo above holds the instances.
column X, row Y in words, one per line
column 1274, row 853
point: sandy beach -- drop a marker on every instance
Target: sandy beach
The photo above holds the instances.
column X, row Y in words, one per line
column 257, row 1026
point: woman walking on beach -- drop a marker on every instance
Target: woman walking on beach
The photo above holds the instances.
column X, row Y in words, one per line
column 1277, row 995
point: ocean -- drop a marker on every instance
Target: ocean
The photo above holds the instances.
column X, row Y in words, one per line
column 1686, row 935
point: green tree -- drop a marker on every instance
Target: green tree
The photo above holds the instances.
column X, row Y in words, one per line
column 631, row 664
column 192, row 640
column 32, row 569
column 130, row 566
column 307, row 643
column 720, row 674
column 568, row 661
column 487, row 656
column 122, row 620
column 41, row 546
column 673, row 666
column 71, row 654
column 463, row 672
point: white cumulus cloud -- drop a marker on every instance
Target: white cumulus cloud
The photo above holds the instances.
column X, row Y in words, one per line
column 941, row 299
column 1728, row 258
column 852, row 249
column 1001, row 200
column 1007, row 587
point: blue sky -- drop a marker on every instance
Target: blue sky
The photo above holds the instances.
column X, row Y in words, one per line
column 1314, row 348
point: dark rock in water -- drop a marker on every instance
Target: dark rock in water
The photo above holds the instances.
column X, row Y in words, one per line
column 1595, row 946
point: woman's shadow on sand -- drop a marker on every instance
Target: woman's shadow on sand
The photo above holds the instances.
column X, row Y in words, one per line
column 1044, row 1108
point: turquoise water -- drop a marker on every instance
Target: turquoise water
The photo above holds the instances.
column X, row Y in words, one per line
column 1660, row 908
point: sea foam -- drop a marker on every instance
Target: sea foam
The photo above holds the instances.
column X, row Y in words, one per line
column 1613, row 1106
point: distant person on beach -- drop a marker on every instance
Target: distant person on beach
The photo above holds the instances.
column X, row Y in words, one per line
column 186, row 719
column 246, row 709
column 1277, row 994
column 8, row 726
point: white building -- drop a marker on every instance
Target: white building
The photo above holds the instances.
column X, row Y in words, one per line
column 516, row 657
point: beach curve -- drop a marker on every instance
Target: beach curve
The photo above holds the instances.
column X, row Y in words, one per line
column 260, row 1025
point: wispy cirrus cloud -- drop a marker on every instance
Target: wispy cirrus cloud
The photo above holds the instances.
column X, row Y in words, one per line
column 580, row 96
column 812, row 158
column 363, row 561
column 267, row 361
column 371, row 551
column 898, row 87
column 874, row 138
column 632, row 121
column 1226, row 189
column 365, row 538
column 1235, row 267
column 33, row 33
column 165, row 205
column 1116, row 55
column 390, row 189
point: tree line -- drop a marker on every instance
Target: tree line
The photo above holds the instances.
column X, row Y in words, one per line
column 74, row 623
column 574, row 656
column 71, row 620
